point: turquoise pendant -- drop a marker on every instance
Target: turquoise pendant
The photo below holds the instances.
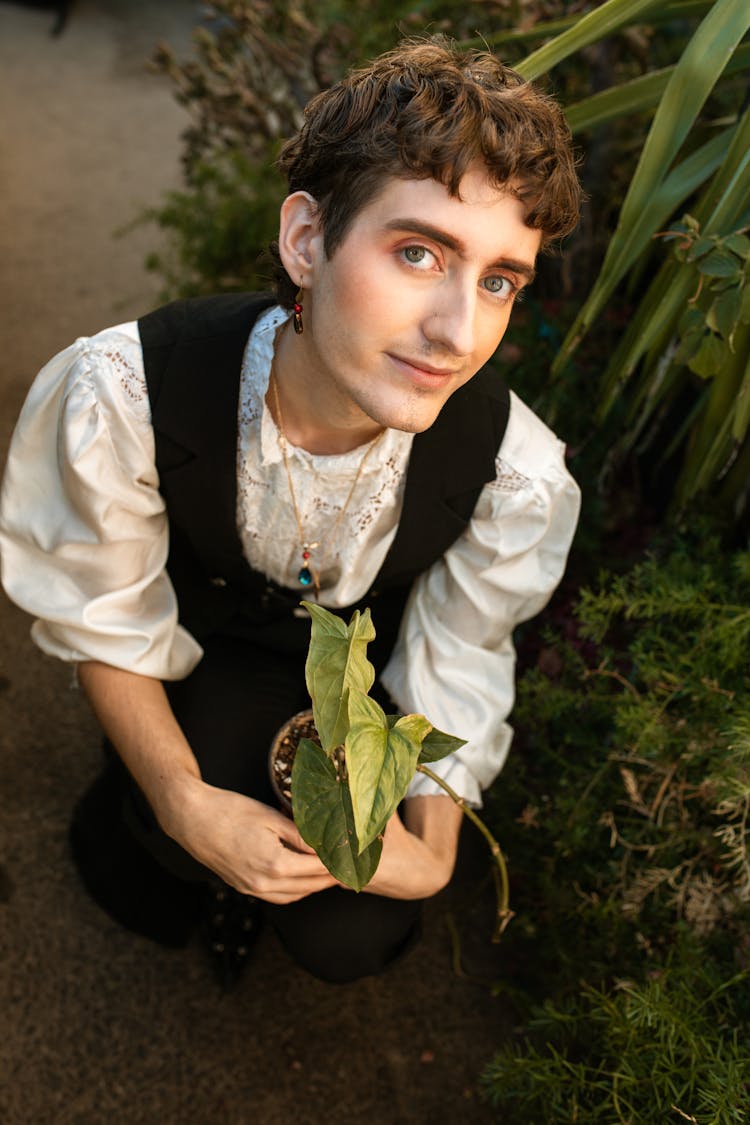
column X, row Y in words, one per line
column 305, row 576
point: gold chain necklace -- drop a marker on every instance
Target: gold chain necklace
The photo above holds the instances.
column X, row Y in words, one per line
column 309, row 575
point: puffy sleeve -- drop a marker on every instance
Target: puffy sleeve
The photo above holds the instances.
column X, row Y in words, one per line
column 83, row 528
column 454, row 660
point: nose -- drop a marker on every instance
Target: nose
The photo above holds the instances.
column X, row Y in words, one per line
column 451, row 324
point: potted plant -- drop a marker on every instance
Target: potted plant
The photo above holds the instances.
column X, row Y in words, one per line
column 352, row 763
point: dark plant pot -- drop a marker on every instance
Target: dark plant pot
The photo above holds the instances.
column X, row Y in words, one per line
column 282, row 753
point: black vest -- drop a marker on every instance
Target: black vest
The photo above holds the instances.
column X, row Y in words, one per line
column 193, row 355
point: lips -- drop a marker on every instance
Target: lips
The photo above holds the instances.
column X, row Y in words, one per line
column 420, row 367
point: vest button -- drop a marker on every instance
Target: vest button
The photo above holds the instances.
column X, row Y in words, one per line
column 218, row 581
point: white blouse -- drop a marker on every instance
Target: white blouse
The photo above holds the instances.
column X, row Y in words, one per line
column 84, row 540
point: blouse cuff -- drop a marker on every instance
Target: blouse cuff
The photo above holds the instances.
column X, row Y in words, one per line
column 174, row 659
column 462, row 779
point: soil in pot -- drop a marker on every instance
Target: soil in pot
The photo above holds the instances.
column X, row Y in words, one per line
column 282, row 754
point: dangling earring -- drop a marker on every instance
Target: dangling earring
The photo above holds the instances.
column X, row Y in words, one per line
column 298, row 325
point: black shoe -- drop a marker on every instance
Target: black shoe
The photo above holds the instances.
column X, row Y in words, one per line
column 231, row 926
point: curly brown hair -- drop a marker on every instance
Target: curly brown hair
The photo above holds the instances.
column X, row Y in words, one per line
column 428, row 109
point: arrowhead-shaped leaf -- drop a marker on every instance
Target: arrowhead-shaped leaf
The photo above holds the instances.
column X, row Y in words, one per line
column 438, row 745
column 323, row 814
column 336, row 661
column 380, row 762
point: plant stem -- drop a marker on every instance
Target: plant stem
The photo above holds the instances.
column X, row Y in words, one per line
column 504, row 913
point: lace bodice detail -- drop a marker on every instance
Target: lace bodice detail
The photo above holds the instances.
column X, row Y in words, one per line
column 268, row 527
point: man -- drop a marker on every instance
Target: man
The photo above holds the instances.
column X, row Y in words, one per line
column 199, row 472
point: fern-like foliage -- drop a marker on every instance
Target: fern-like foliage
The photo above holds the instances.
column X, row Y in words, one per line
column 667, row 1049
column 626, row 814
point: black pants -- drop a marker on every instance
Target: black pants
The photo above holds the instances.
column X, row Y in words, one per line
column 229, row 708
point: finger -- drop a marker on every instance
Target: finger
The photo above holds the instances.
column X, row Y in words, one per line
column 283, row 862
column 294, row 866
column 290, row 837
column 282, row 894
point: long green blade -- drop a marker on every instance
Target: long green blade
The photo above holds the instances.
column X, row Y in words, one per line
column 711, row 444
column 718, row 211
column 595, row 25
column 665, row 13
column 700, row 66
column 728, row 194
column 742, row 406
column 635, row 96
column 642, row 211
column 679, row 185
column 626, row 98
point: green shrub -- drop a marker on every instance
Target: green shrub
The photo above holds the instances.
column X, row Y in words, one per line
column 624, row 812
column 667, row 1049
column 219, row 228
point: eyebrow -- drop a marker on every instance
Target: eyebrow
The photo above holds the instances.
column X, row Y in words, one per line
column 444, row 239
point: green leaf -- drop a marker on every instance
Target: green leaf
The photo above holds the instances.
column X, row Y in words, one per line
column 711, row 448
column 336, row 661
column 380, row 762
column 717, row 211
column 691, row 321
column 739, row 244
column 745, row 310
column 544, row 29
column 438, row 745
column 724, row 313
column 634, row 96
column 322, row 808
column 642, row 213
column 741, row 418
column 719, row 263
column 681, row 182
column 700, row 248
column 689, row 343
column 602, row 21
column 721, row 284
column 724, row 200
column 618, row 101
column 701, row 64
column 709, row 358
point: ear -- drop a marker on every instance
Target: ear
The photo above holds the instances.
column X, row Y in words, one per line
column 300, row 235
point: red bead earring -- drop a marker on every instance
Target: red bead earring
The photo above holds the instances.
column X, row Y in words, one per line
column 298, row 325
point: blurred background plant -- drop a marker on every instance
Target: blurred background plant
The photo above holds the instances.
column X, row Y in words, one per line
column 696, row 149
column 625, row 804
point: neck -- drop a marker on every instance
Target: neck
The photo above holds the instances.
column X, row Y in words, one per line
column 314, row 417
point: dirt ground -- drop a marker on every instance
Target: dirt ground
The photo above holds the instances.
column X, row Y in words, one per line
column 96, row 1024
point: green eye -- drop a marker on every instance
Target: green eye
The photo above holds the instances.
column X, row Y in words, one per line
column 495, row 284
column 414, row 253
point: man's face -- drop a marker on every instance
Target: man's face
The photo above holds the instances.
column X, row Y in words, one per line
column 415, row 299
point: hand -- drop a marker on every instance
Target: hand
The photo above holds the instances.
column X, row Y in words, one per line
column 418, row 860
column 251, row 846
column 254, row 848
